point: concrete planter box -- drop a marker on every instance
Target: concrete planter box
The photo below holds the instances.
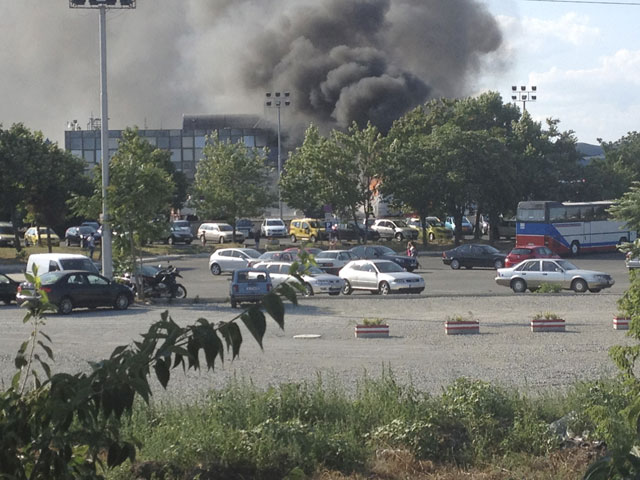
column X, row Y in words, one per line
column 621, row 323
column 544, row 325
column 372, row 331
column 464, row 327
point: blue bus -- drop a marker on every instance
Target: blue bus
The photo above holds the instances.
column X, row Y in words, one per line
column 570, row 228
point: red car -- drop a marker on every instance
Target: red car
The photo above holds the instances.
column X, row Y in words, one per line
column 524, row 253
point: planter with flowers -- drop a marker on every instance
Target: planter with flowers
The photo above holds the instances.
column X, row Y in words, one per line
column 547, row 322
column 461, row 325
column 372, row 328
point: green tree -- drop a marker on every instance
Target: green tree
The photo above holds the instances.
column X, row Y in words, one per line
column 354, row 161
column 37, row 177
column 140, row 191
column 303, row 183
column 231, row 182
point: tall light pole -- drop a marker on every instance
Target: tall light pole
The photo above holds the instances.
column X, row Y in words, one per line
column 524, row 95
column 276, row 101
column 107, row 259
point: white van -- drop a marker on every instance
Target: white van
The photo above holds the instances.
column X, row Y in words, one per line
column 51, row 262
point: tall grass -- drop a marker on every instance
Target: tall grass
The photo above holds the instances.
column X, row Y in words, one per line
column 245, row 432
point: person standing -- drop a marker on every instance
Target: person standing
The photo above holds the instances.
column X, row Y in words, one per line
column 91, row 245
column 256, row 237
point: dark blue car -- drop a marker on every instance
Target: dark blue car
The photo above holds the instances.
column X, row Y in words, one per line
column 380, row 252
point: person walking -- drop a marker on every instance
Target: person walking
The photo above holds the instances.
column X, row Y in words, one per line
column 411, row 250
column 91, row 245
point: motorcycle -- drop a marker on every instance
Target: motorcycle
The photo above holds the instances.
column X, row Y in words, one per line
column 157, row 282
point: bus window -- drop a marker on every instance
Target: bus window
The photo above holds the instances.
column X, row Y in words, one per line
column 531, row 214
column 586, row 213
column 557, row 214
column 600, row 212
column 573, row 214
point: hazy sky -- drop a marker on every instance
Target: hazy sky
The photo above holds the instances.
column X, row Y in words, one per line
column 583, row 57
column 344, row 59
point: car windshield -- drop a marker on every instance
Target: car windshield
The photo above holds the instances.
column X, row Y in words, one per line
column 244, row 223
column 252, row 253
column 6, row 230
column 181, row 224
column 149, row 270
column 225, row 228
column 43, row 231
column 275, row 223
column 327, row 254
column 521, row 251
column 313, row 271
column 567, row 265
column 401, row 224
column 51, row 277
column 389, row 267
column 435, row 223
column 382, row 250
column 489, row 249
column 78, row 264
column 86, row 230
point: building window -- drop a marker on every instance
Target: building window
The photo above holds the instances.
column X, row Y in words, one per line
column 187, row 155
column 89, row 143
column 113, row 143
column 176, row 157
column 76, row 143
column 89, row 156
column 199, row 142
column 76, row 153
column 250, row 141
column 187, row 142
column 163, row 142
column 175, row 142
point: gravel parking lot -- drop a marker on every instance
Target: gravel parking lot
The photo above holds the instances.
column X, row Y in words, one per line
column 505, row 352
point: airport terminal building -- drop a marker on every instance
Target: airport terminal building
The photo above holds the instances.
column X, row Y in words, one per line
column 185, row 144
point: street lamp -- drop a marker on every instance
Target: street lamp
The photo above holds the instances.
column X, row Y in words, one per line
column 524, row 95
column 278, row 100
column 107, row 260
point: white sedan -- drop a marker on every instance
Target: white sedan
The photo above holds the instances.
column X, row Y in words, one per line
column 533, row 273
column 379, row 276
column 230, row 259
column 315, row 280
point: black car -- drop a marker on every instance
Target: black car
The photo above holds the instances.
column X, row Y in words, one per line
column 372, row 252
column 474, row 255
column 353, row 231
column 8, row 288
column 69, row 289
column 79, row 235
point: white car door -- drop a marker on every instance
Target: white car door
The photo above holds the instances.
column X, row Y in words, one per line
column 369, row 276
column 552, row 273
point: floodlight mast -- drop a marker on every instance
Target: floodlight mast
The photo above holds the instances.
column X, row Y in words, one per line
column 102, row 5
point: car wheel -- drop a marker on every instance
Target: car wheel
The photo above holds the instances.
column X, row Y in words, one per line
column 122, row 302
column 399, row 237
column 455, row 264
column 432, row 237
column 188, row 242
column 67, row 242
column 498, row 264
column 575, row 249
column 215, row 269
column 346, row 289
column 308, row 290
column 333, row 294
column 65, row 306
column 234, row 304
column 518, row 285
column 203, row 240
column 384, row 288
column 171, row 241
column 312, row 239
column 293, row 239
column 594, row 290
column 26, row 243
column 579, row 286
column 181, row 292
column 220, row 239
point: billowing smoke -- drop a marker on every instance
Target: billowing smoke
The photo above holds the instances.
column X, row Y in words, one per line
column 342, row 60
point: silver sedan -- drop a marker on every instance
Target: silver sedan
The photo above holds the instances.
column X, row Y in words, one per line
column 533, row 273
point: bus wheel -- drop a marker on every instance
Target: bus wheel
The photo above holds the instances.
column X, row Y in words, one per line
column 575, row 249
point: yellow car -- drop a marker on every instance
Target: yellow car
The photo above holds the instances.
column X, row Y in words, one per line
column 307, row 229
column 436, row 231
column 31, row 237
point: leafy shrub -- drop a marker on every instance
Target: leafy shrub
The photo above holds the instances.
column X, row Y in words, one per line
column 547, row 316
column 548, row 288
